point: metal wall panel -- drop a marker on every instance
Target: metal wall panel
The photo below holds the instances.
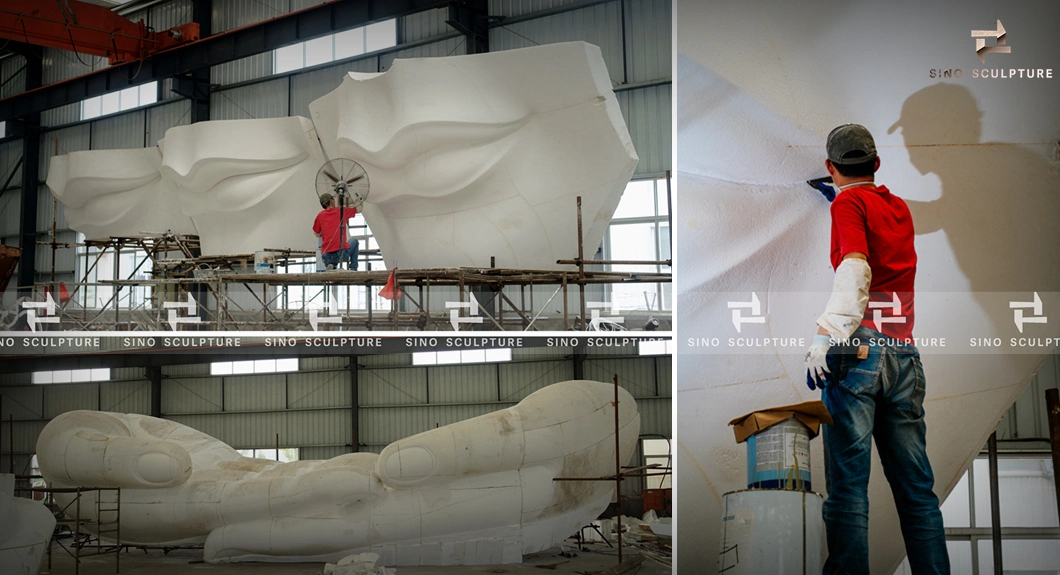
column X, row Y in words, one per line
column 647, row 112
column 380, row 426
column 61, row 116
column 64, row 257
column 312, row 363
column 242, row 70
column 255, row 392
column 123, row 373
column 518, row 380
column 648, row 37
column 22, row 402
column 599, row 25
column 519, row 7
column 191, row 395
column 72, row 139
column 450, row 47
column 125, row 397
column 170, row 14
column 303, row 4
column 318, row 389
column 25, row 443
column 557, row 352
column 242, row 430
column 118, row 132
column 463, row 383
column 415, row 27
column 309, row 86
column 316, row 453
column 392, row 386
column 1028, row 417
column 262, row 100
column 231, row 14
column 162, row 118
column 636, row 376
column 69, row 397
column 655, row 416
column 197, row 369
column 385, row 360
column 13, row 75
column 47, row 204
column 60, row 65
column 212, row 425
column 317, row 427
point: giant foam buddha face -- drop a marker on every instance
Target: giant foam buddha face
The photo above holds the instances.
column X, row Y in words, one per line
column 477, row 156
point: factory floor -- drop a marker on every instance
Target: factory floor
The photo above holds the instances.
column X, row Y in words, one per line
column 597, row 560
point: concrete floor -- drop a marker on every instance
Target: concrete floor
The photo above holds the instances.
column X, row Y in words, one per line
column 136, row 562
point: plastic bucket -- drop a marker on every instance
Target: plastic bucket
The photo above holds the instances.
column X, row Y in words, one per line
column 264, row 262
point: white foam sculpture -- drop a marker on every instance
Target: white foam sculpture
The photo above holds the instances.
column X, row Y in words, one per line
column 759, row 90
column 241, row 185
column 469, row 158
column 25, row 531
column 480, row 156
column 478, row 491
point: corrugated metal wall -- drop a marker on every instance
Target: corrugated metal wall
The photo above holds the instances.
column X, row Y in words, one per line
column 310, row 409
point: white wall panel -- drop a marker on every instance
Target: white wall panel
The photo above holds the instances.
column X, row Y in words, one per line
column 450, row 47
column 22, row 403
column 519, row 380
column 121, row 131
column 190, row 395
column 125, row 397
column 600, row 25
column 321, row 389
column 162, row 118
column 69, row 397
column 17, row 83
column 647, row 112
column 255, row 392
column 316, row 427
column 388, row 424
column 262, row 100
column 392, row 386
column 463, row 383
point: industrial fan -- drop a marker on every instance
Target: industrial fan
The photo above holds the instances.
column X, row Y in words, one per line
column 345, row 179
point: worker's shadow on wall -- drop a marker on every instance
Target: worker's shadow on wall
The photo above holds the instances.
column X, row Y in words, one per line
column 1000, row 203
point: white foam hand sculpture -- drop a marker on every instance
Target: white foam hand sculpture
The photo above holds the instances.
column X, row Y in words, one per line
column 475, row 492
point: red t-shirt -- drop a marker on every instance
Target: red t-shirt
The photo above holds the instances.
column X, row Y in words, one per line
column 327, row 225
column 877, row 223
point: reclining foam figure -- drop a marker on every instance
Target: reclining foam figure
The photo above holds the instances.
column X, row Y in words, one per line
column 475, row 492
column 25, row 531
column 759, row 92
column 117, row 193
column 483, row 155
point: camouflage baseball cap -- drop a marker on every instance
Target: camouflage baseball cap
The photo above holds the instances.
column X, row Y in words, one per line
column 850, row 144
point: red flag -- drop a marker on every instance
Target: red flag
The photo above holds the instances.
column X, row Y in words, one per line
column 64, row 294
column 390, row 290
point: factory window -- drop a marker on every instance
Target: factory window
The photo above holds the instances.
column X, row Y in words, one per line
column 338, row 46
column 657, row 451
column 119, row 101
column 665, row 347
column 640, row 231
column 283, row 454
column 71, row 375
column 1027, row 502
column 461, row 356
column 254, row 366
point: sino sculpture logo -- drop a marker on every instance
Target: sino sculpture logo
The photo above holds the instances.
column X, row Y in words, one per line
column 981, row 49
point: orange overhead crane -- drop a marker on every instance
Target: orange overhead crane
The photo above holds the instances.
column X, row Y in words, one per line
column 87, row 29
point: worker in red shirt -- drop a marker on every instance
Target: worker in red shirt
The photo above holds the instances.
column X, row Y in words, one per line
column 870, row 372
column 335, row 245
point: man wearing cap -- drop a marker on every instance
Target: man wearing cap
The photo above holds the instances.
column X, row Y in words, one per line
column 872, row 378
column 335, row 243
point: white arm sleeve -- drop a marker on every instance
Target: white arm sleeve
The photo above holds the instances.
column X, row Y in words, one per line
column 850, row 295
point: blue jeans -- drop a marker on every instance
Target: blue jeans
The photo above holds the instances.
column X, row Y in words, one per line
column 881, row 396
column 349, row 254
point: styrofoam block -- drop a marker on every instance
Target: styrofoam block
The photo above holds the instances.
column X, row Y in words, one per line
column 487, row 166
